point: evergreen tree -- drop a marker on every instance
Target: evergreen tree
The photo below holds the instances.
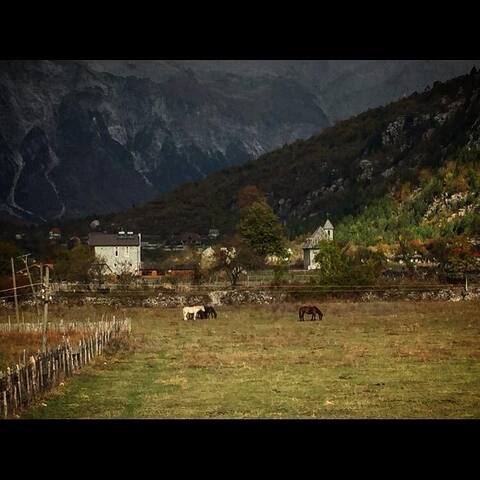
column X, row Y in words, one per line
column 260, row 228
column 75, row 264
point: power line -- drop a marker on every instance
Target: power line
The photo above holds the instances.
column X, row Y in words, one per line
column 18, row 288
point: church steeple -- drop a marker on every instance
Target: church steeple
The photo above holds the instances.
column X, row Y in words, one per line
column 328, row 227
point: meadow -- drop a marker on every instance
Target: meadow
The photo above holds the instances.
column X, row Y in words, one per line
column 363, row 360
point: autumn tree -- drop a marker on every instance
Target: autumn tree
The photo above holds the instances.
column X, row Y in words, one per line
column 250, row 194
column 235, row 257
column 462, row 257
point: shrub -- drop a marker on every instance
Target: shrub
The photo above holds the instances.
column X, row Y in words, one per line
column 336, row 267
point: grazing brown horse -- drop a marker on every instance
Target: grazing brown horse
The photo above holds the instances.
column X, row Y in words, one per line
column 310, row 309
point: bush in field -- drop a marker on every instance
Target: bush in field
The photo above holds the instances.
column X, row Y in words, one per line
column 125, row 278
column 337, row 267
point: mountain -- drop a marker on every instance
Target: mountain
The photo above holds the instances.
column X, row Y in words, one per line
column 96, row 136
column 74, row 141
column 342, row 87
column 405, row 155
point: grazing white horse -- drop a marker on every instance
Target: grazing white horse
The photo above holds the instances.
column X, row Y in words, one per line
column 192, row 310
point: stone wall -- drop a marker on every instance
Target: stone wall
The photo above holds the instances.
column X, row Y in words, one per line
column 258, row 297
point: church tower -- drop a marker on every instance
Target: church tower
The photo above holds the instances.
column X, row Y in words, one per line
column 328, row 227
column 310, row 247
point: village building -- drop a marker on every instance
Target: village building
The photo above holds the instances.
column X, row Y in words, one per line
column 310, row 247
column 184, row 241
column 213, row 234
column 152, row 269
column 181, row 271
column 55, row 234
column 152, row 242
column 120, row 252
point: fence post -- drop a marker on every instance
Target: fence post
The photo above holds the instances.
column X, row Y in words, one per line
column 69, row 358
column 54, row 369
column 15, row 398
column 34, row 377
column 19, row 383
column 72, row 357
column 40, row 373
column 27, row 382
column 64, row 358
column 49, row 371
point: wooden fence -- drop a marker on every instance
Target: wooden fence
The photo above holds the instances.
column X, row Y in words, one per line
column 20, row 385
column 61, row 327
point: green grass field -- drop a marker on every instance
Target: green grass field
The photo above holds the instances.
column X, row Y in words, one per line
column 364, row 360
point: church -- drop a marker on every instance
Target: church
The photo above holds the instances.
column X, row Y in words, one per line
column 310, row 247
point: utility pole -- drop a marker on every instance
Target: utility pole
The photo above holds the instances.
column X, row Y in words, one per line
column 466, row 283
column 15, row 290
column 25, row 259
column 46, row 297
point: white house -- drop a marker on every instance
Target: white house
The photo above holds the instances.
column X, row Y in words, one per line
column 310, row 247
column 121, row 252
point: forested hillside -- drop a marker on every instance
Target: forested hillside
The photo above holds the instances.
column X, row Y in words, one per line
column 412, row 165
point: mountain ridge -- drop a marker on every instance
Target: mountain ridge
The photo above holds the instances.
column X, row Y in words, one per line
column 75, row 141
column 340, row 171
column 66, row 129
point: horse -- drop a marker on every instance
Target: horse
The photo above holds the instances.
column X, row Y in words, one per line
column 208, row 312
column 310, row 309
column 192, row 310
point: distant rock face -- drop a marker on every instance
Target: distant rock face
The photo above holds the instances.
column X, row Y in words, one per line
column 340, row 171
column 93, row 137
column 342, row 87
column 74, row 141
column 366, row 168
